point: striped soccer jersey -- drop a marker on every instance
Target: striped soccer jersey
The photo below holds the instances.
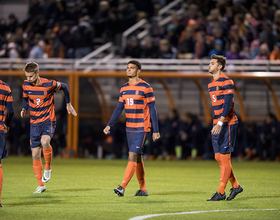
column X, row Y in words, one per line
column 5, row 96
column 41, row 99
column 218, row 89
column 135, row 99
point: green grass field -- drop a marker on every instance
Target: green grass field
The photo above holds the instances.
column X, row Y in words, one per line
column 83, row 189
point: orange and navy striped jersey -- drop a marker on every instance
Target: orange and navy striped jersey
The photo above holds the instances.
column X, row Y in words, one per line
column 5, row 97
column 41, row 99
column 135, row 99
column 218, row 91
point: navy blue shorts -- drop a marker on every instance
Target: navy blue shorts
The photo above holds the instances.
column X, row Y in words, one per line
column 37, row 130
column 136, row 141
column 3, row 149
column 225, row 142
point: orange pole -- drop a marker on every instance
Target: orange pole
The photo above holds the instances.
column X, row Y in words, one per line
column 167, row 90
column 105, row 114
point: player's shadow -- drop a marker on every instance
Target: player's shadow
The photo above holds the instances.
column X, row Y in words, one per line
column 258, row 197
column 36, row 202
column 73, row 190
column 177, row 193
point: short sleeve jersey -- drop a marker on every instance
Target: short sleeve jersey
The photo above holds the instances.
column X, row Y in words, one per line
column 5, row 96
column 218, row 89
column 136, row 98
column 41, row 99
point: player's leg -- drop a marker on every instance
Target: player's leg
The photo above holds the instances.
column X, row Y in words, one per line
column 218, row 195
column 47, row 152
column 236, row 188
column 38, row 168
column 48, row 129
column 140, row 169
column 140, row 174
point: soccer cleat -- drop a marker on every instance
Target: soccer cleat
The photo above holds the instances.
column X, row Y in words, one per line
column 141, row 193
column 47, row 175
column 1, row 205
column 119, row 191
column 234, row 192
column 217, row 197
column 40, row 189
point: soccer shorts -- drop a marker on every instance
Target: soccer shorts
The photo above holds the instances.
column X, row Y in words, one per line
column 136, row 141
column 3, row 149
column 225, row 142
column 37, row 130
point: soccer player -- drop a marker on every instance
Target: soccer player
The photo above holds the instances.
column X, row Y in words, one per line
column 6, row 104
column 224, row 131
column 137, row 98
column 38, row 93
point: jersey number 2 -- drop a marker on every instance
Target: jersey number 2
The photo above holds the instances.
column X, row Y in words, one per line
column 214, row 98
column 38, row 101
column 129, row 101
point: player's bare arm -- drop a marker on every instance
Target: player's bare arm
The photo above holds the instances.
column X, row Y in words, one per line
column 70, row 109
column 107, row 130
column 156, row 136
column 23, row 113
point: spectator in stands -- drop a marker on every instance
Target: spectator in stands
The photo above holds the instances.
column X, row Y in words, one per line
column 166, row 51
column 127, row 14
column 218, row 48
column 275, row 54
column 263, row 53
column 233, row 54
column 37, row 51
column 169, row 131
column 40, row 25
column 82, row 39
column 254, row 48
column 267, row 142
column 12, row 23
column 171, row 35
column 101, row 18
column 53, row 46
column 186, row 44
column 12, row 51
column 245, row 52
column 65, row 36
column 133, row 49
column 189, row 132
column 35, row 10
column 149, row 50
column 252, row 137
column 200, row 50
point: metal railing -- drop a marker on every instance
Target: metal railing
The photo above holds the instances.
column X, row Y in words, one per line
column 110, row 63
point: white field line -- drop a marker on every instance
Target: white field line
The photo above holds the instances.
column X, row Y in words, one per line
column 197, row 212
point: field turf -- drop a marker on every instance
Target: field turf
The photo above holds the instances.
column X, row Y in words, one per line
column 83, row 189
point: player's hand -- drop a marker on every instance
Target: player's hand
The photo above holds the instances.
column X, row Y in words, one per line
column 23, row 113
column 216, row 129
column 70, row 109
column 156, row 136
column 107, row 130
column 6, row 129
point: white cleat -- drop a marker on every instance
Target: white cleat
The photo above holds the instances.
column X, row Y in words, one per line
column 40, row 189
column 47, row 175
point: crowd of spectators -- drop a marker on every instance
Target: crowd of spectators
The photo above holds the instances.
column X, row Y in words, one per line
column 184, row 137
column 69, row 28
column 237, row 29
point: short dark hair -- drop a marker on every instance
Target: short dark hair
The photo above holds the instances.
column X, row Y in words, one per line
column 135, row 62
column 221, row 60
column 31, row 67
